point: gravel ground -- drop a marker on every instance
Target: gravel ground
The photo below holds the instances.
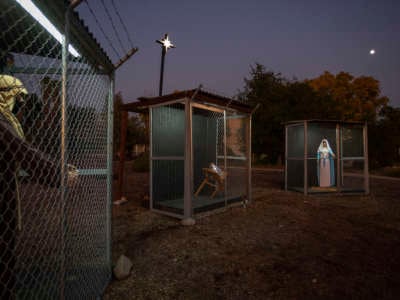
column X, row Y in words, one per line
column 283, row 245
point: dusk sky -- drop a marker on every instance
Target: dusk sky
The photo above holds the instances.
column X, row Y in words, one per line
column 217, row 41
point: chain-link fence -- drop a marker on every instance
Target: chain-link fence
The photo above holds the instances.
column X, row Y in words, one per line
column 55, row 123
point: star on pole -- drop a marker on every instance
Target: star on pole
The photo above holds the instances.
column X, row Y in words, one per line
column 166, row 42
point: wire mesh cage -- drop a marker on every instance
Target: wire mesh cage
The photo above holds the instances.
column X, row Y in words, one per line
column 326, row 156
column 199, row 152
column 55, row 123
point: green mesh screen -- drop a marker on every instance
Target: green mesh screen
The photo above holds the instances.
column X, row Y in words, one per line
column 295, row 141
column 168, row 185
column 168, row 130
column 168, row 146
column 352, row 178
column 352, row 141
column 318, row 131
column 237, row 160
column 295, row 174
column 204, row 136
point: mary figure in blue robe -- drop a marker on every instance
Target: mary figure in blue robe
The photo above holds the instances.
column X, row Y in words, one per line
column 326, row 166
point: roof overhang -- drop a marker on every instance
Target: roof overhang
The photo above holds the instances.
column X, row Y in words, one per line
column 199, row 96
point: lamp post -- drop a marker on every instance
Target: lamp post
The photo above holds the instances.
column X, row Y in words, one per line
column 165, row 45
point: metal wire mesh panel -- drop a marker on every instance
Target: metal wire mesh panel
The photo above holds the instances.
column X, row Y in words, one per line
column 86, row 217
column 237, row 156
column 352, row 158
column 168, row 185
column 352, row 141
column 295, row 157
column 295, row 141
column 219, row 138
column 220, row 141
column 295, row 174
column 54, row 235
column 208, row 141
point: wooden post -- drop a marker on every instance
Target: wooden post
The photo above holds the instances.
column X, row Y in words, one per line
column 123, row 130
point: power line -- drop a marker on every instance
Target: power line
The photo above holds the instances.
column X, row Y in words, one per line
column 101, row 28
column 122, row 22
column 113, row 26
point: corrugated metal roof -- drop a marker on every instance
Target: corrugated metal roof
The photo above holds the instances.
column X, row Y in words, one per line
column 200, row 96
column 15, row 22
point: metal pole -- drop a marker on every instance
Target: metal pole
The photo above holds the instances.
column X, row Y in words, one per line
column 338, row 159
column 162, row 70
column 305, row 158
column 123, row 130
column 187, row 199
column 366, row 162
column 341, row 158
column 225, row 164
column 216, row 143
column 150, row 132
column 286, row 155
column 63, row 145
column 249, row 159
column 110, row 122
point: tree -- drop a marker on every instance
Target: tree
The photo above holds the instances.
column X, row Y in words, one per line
column 355, row 98
column 280, row 100
column 136, row 133
column 384, row 138
column 266, row 89
column 332, row 97
column 303, row 102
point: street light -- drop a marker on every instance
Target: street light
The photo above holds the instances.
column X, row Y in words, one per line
column 165, row 45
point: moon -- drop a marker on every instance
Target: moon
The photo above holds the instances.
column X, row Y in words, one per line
column 372, row 51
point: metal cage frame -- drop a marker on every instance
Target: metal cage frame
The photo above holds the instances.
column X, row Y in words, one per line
column 194, row 99
column 340, row 160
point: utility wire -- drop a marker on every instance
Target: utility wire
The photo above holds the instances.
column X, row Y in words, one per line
column 101, row 28
column 113, row 26
column 122, row 22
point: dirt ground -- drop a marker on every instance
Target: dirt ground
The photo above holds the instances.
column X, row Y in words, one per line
column 284, row 245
